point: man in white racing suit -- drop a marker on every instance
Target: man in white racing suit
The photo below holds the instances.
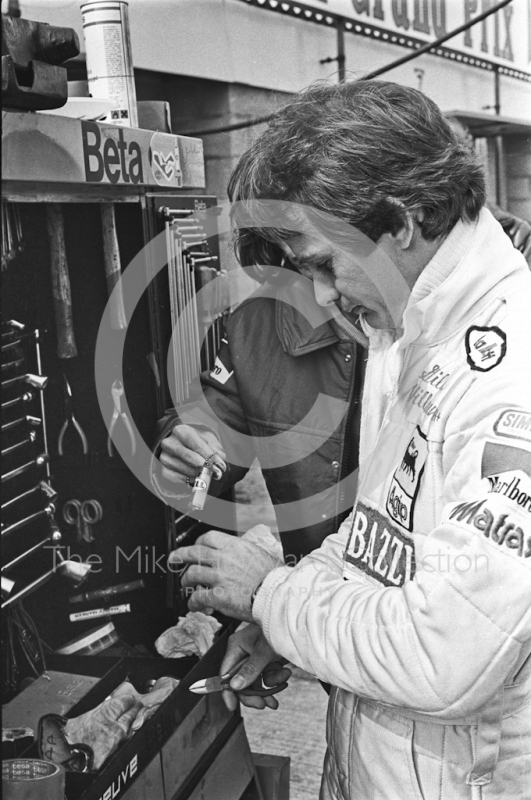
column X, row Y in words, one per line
column 418, row 610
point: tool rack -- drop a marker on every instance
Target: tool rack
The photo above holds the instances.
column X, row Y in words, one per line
column 75, row 171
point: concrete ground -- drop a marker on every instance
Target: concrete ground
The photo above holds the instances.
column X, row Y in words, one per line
column 297, row 728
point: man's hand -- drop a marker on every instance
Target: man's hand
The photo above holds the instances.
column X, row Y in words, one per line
column 184, row 451
column 250, row 640
column 224, row 571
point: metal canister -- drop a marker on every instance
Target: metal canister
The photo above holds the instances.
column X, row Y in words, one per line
column 32, row 779
column 109, row 58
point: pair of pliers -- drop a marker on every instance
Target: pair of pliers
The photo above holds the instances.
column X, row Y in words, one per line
column 117, row 390
column 258, row 688
column 70, row 417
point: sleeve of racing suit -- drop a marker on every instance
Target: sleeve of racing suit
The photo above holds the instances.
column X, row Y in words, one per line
column 219, row 410
column 444, row 642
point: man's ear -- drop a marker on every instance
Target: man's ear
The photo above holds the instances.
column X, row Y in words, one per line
column 403, row 236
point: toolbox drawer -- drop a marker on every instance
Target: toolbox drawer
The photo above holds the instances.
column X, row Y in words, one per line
column 170, row 745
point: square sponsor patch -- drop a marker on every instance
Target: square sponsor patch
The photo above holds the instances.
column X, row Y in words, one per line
column 379, row 549
column 404, row 486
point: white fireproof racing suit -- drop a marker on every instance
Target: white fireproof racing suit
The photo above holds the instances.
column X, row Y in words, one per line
column 418, row 610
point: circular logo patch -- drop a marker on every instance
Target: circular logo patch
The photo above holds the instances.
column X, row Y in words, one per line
column 485, row 347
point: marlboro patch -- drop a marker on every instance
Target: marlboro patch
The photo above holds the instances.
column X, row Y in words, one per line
column 377, row 548
column 485, row 347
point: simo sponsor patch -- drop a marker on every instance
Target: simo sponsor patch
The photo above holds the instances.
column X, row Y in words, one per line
column 406, row 479
column 485, row 347
column 494, row 526
column 377, row 548
column 514, row 424
column 220, row 372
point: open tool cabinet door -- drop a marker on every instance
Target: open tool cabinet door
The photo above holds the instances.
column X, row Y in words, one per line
column 77, row 211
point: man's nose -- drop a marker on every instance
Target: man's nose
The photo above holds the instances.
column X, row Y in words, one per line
column 325, row 292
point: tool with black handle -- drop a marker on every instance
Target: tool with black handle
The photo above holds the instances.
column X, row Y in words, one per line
column 62, row 295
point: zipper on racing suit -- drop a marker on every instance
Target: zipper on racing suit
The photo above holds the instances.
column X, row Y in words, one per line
column 350, row 458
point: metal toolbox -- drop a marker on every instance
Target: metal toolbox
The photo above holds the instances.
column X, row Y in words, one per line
column 168, row 757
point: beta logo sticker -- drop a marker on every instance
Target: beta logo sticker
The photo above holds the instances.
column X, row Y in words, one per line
column 485, row 347
column 164, row 160
column 378, row 549
column 406, row 479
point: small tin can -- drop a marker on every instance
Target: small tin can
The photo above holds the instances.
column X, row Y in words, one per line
column 109, row 58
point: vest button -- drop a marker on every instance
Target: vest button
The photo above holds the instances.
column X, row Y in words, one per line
column 348, row 358
column 335, row 464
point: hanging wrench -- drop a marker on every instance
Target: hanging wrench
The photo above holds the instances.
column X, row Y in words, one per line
column 28, row 440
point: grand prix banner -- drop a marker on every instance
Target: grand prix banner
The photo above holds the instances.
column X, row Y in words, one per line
column 502, row 40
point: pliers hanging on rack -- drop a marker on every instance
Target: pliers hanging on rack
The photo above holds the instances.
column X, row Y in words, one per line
column 70, row 417
column 117, row 390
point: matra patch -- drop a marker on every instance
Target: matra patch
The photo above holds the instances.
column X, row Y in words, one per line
column 220, row 372
column 496, row 527
column 404, row 486
column 377, row 548
column 485, row 347
column 514, row 424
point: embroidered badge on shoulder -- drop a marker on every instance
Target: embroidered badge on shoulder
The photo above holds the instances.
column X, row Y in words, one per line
column 485, row 347
column 405, row 483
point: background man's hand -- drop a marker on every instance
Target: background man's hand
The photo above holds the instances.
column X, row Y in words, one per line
column 250, row 640
column 184, row 451
column 224, row 571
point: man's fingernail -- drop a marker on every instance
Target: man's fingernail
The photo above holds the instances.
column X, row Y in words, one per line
column 237, row 683
column 217, row 473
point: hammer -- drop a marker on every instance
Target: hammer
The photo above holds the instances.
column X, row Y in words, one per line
column 62, row 296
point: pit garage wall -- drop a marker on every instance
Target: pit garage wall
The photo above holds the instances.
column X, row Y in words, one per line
column 221, row 61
